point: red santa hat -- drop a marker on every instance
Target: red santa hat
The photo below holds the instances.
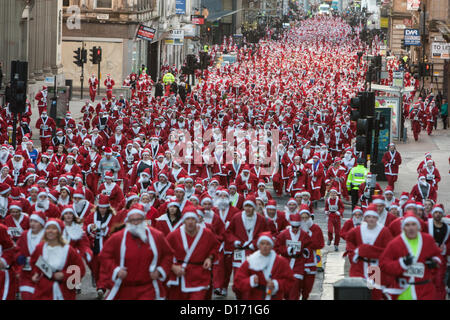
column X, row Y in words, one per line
column 250, row 200
column 271, row 204
column 55, row 222
column 410, row 217
column 33, row 187
column 267, row 236
column 295, row 219
column 304, row 209
column 389, row 189
column 4, row 188
column 261, row 183
column 67, row 209
column 15, row 205
column 291, row 200
column 179, row 187
column 131, row 196
column 378, row 199
column 190, row 212
column 54, row 195
column 410, row 204
column 103, row 201
column 404, row 195
column 136, row 208
column 428, row 155
column 39, row 216
column 357, row 209
column 107, row 151
column 109, row 175
column 371, row 210
column 438, row 208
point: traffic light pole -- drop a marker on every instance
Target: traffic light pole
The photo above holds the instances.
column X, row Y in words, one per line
column 98, row 77
column 82, row 71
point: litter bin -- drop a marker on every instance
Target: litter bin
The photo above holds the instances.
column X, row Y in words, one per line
column 352, row 289
column 69, row 83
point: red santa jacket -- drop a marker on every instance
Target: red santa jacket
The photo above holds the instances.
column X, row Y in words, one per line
column 190, row 253
column 419, row 196
column 391, row 263
column 317, row 242
column 16, row 227
column 391, row 162
column 276, row 224
column 277, row 269
column 334, row 207
column 291, row 245
column 46, row 127
column 396, row 226
column 8, row 255
column 52, row 211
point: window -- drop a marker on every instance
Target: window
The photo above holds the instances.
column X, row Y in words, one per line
column 104, row 3
column 66, row 3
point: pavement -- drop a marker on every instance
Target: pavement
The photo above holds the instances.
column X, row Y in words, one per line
column 335, row 267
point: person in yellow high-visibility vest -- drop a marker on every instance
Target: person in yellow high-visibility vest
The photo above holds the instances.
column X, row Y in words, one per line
column 355, row 177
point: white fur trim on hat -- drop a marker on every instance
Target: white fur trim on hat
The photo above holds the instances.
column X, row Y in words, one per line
column 134, row 196
column 67, row 210
column 53, row 223
column 379, row 201
column 371, row 213
column 133, row 211
column 271, row 207
column 437, row 209
column 42, row 193
column 249, row 202
column 190, row 215
column 291, row 201
column 37, row 218
column 15, row 207
column 298, row 194
column 265, row 238
column 205, row 199
column 410, row 219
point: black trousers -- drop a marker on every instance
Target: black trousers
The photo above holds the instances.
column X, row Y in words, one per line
column 355, row 198
column 444, row 121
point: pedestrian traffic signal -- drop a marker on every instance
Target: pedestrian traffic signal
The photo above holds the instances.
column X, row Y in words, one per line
column 83, row 55
column 92, row 55
column 99, row 54
column 425, row 69
column 78, row 61
column 355, row 104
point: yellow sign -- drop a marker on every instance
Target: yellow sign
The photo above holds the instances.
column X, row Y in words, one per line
column 384, row 22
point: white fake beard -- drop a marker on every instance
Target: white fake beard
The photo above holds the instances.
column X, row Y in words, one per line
column 305, row 226
column 42, row 205
column 146, row 206
column 223, row 204
column 138, row 230
column 144, row 180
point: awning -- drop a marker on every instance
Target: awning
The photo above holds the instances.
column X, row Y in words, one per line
column 220, row 14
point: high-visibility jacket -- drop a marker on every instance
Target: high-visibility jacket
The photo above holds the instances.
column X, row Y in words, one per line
column 356, row 176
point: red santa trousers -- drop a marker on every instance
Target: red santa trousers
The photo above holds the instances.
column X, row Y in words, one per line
column 278, row 184
column 391, row 180
column 45, row 143
column 296, row 289
column 92, row 93
column 429, row 127
column 222, row 272
column 8, row 282
column 109, row 94
column 137, row 292
column 307, row 285
column 439, row 281
column 334, row 226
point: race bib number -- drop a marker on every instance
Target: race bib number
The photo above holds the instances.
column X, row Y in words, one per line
column 44, row 267
column 295, row 245
column 44, row 127
column 14, row 232
column 416, row 118
column 430, row 176
column 333, row 208
column 239, row 255
column 416, row 270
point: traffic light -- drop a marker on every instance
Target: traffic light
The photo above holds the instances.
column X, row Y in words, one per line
column 355, row 104
column 425, row 69
column 96, row 55
column 77, row 57
column 92, row 55
column 83, row 55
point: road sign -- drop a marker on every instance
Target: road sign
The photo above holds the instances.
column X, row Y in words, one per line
column 398, row 79
column 440, row 50
column 412, row 37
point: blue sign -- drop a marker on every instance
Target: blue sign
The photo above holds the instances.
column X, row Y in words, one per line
column 180, row 7
column 412, row 37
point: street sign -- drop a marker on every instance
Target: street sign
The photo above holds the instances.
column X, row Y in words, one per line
column 412, row 37
column 440, row 50
column 145, row 33
column 197, row 19
column 180, row 6
column 175, row 37
column 49, row 80
column 398, row 79
column 412, row 5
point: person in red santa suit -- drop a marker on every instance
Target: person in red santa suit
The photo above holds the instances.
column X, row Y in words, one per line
column 8, row 255
column 334, row 210
column 70, row 166
column 218, row 167
column 391, row 160
column 52, row 264
column 423, row 163
column 262, row 192
column 265, row 275
column 170, row 219
column 93, row 83
column 411, row 259
column 242, row 232
column 41, row 98
column 109, row 84
column 46, row 127
column 43, row 204
column 440, row 230
column 177, row 173
column 81, row 206
column 246, row 182
column 286, row 162
column 17, row 221
column 315, row 136
column 423, row 191
column 17, row 166
column 356, row 220
column 275, row 219
column 118, row 139
column 431, row 174
column 365, row 244
column 291, row 244
column 87, row 110
column 317, row 243
column 138, row 259
column 26, row 245
column 365, row 191
column 315, row 175
column 234, row 168
column 222, row 271
column 297, row 176
column 336, row 177
column 113, row 191
column 195, row 250
column 416, row 115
